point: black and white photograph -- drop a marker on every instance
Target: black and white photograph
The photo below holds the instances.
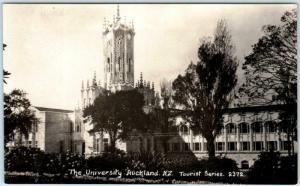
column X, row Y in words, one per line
column 150, row 93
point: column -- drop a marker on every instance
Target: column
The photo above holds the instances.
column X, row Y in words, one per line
column 202, row 144
column 191, row 139
column 264, row 136
column 251, row 137
column 101, row 142
column 94, row 142
column 33, row 139
column 238, row 147
column 278, row 139
column 225, row 136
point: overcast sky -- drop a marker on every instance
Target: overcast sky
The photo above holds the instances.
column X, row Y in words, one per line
column 52, row 48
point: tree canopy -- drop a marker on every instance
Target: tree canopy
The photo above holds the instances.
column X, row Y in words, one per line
column 117, row 114
column 205, row 87
column 271, row 67
column 271, row 71
column 17, row 114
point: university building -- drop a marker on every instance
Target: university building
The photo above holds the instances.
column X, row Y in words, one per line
column 247, row 130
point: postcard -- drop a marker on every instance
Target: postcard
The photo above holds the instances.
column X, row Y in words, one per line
column 150, row 93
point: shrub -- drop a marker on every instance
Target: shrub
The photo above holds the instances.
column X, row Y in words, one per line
column 145, row 161
column 177, row 164
column 24, row 159
column 220, row 164
column 272, row 168
column 71, row 161
column 108, row 161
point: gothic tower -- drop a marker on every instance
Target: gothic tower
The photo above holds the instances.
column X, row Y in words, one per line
column 118, row 38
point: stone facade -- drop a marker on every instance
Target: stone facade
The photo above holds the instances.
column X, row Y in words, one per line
column 246, row 132
column 53, row 133
column 118, row 40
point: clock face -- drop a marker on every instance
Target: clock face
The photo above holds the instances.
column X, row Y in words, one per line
column 129, row 36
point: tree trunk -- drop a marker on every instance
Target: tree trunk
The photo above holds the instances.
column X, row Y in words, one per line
column 165, row 144
column 211, row 147
column 112, row 142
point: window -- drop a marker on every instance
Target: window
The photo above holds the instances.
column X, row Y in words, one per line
column 284, row 145
column 36, row 144
column 184, row 130
column 270, row 127
column 108, row 64
column 197, row 146
column 186, row 146
column 220, row 146
column 129, row 65
column 220, row 132
column 244, row 128
column 148, row 144
column 230, row 128
column 105, row 144
column 231, row 146
column 258, row 146
column 272, row 145
column 119, row 64
column 141, row 145
column 29, row 143
column 244, row 165
column 77, row 128
column 176, row 147
column 34, row 127
column 97, row 145
column 71, row 127
column 204, row 146
column 61, row 146
column 245, row 146
column 257, row 127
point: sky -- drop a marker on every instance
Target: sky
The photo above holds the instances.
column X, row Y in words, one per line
column 52, row 48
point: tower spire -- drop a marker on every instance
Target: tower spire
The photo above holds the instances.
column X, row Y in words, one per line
column 141, row 79
column 94, row 79
column 118, row 12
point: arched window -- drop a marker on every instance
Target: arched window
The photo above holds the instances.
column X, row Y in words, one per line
column 108, row 64
column 184, row 130
column 244, row 164
column 230, row 128
column 244, row 128
column 129, row 65
column 270, row 126
column 71, row 126
column 257, row 127
column 119, row 64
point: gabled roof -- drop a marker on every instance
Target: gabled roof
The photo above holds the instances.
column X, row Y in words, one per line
column 52, row 109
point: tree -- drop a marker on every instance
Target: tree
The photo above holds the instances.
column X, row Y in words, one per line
column 164, row 119
column 117, row 114
column 271, row 70
column 5, row 73
column 18, row 117
column 204, row 90
column 271, row 67
column 273, row 168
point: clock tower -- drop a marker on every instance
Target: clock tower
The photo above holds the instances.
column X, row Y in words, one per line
column 118, row 38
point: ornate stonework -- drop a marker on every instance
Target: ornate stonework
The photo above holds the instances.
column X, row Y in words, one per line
column 118, row 42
